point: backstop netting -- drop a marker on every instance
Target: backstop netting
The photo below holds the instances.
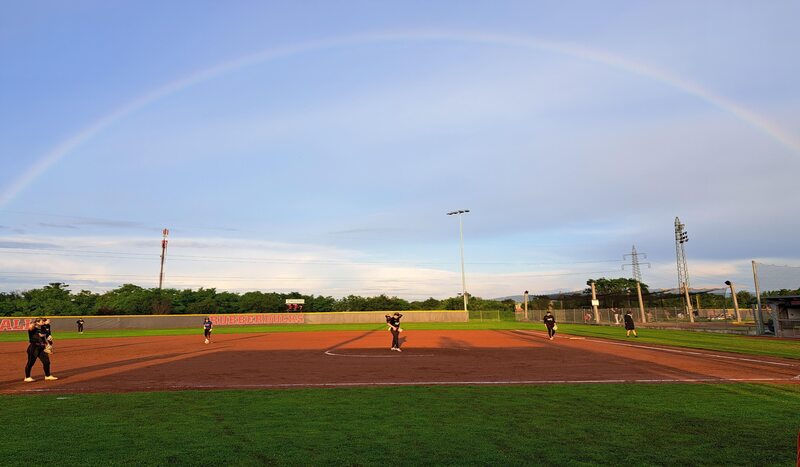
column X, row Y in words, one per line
column 779, row 286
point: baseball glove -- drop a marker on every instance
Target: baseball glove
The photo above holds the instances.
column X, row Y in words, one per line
column 48, row 348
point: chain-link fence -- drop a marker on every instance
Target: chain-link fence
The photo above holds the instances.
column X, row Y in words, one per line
column 615, row 316
column 779, row 287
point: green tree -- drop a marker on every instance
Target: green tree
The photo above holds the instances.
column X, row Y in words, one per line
column 12, row 304
column 128, row 299
column 85, row 302
column 52, row 299
column 227, row 302
column 615, row 292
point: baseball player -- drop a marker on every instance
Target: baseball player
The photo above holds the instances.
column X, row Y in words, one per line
column 36, row 344
column 208, row 326
column 629, row 326
column 48, row 338
column 550, row 322
column 393, row 322
column 80, row 325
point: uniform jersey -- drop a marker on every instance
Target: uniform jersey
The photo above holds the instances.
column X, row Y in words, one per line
column 34, row 336
column 46, row 330
column 394, row 321
column 207, row 325
column 549, row 320
column 628, row 322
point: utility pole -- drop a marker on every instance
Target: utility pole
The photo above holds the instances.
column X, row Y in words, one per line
column 759, row 316
column 681, row 237
column 637, row 275
column 165, row 232
column 735, row 301
column 595, row 305
column 525, row 300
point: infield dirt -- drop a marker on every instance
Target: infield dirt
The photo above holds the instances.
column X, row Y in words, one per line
column 359, row 358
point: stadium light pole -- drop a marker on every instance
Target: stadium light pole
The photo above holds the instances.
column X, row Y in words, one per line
column 461, row 234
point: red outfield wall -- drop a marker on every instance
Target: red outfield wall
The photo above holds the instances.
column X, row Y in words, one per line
column 68, row 323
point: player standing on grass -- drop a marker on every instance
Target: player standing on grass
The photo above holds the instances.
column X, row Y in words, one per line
column 394, row 327
column 629, row 326
column 80, row 325
column 36, row 343
column 550, row 322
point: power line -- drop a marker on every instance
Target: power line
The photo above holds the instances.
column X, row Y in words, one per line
column 233, row 259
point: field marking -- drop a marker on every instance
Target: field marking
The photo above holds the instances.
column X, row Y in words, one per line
column 430, row 383
column 687, row 352
column 328, row 352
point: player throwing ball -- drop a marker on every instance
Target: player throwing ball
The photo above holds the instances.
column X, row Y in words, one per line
column 393, row 321
column 208, row 326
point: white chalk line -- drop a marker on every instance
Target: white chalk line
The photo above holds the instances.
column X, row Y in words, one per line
column 687, row 352
column 399, row 355
column 435, row 383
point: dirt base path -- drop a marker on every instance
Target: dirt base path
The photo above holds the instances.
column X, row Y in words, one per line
column 354, row 358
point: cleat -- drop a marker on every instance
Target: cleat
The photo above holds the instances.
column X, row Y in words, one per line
column 29, row 380
column 50, row 378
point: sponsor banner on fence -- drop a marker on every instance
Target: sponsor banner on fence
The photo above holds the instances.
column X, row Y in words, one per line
column 14, row 324
column 261, row 318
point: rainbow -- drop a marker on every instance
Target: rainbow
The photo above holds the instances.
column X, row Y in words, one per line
column 60, row 150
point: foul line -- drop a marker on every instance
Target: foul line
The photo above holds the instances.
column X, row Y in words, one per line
column 687, row 352
column 332, row 354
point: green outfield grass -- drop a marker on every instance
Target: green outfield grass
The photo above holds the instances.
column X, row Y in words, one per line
column 786, row 348
column 667, row 424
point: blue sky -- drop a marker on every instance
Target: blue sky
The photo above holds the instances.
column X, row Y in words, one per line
column 316, row 146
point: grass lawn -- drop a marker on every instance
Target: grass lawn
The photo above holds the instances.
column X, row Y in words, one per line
column 667, row 424
column 786, row 348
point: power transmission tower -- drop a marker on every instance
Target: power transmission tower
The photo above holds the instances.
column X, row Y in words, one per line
column 637, row 275
column 634, row 264
column 165, row 232
column 681, row 237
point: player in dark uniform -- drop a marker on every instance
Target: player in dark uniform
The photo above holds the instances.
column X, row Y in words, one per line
column 48, row 337
column 629, row 326
column 208, row 326
column 36, row 343
column 80, row 325
column 394, row 327
column 550, row 322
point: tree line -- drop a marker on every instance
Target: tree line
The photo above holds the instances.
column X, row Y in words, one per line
column 56, row 299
